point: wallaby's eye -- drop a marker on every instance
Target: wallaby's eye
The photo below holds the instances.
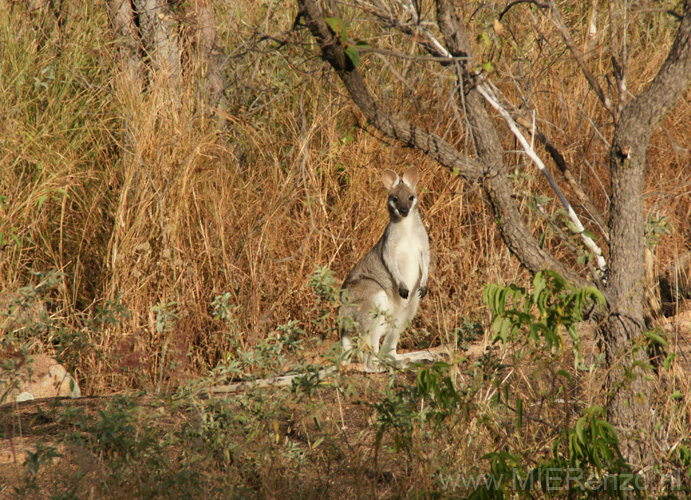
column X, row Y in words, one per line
column 411, row 197
column 394, row 199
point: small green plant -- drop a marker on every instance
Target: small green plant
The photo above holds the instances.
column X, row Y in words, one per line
column 437, row 387
column 585, row 460
column 553, row 304
column 585, row 463
column 432, row 399
column 328, row 291
column 466, row 333
column 267, row 358
column 165, row 316
column 222, row 310
column 40, row 458
column 397, row 413
column 656, row 227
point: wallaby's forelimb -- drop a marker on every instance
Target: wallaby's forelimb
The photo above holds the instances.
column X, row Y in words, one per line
column 391, row 278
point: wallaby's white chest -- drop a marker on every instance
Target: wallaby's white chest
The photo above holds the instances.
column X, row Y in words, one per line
column 410, row 243
column 392, row 277
column 408, row 260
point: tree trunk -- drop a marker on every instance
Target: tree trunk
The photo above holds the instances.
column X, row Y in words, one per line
column 212, row 57
column 623, row 329
column 623, row 326
column 487, row 170
column 125, row 29
column 157, row 27
column 151, row 46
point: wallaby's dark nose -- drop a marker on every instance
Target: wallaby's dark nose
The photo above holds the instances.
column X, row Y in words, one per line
column 403, row 211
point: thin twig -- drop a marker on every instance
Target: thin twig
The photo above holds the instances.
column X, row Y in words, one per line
column 403, row 55
column 489, row 96
column 578, row 56
column 568, row 40
column 559, row 160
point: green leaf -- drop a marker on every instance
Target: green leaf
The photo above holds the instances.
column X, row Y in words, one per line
column 656, row 338
column 610, row 432
column 565, row 374
column 579, row 430
column 41, row 200
column 539, row 284
column 668, row 360
column 595, row 294
column 572, row 227
column 353, row 55
column 338, row 26
column 63, row 192
column 16, row 240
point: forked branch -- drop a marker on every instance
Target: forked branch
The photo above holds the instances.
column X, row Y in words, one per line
column 488, row 169
column 492, row 99
column 455, row 37
column 573, row 48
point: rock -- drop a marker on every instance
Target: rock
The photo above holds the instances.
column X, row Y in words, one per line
column 40, row 376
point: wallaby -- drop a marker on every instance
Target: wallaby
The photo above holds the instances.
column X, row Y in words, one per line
column 381, row 294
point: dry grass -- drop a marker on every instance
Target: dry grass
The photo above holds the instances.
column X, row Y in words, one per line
column 156, row 204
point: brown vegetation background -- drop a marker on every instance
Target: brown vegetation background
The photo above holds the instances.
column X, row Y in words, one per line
column 149, row 196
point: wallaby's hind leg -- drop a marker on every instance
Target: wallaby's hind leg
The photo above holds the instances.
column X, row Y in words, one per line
column 391, row 340
column 370, row 356
column 367, row 315
column 378, row 327
column 402, row 322
column 405, row 315
column 347, row 346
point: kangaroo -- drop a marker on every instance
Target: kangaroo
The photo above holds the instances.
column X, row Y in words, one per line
column 382, row 292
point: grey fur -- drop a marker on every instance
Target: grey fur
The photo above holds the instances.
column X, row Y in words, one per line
column 382, row 292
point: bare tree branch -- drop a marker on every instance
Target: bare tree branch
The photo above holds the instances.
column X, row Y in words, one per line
column 560, row 162
column 400, row 55
column 492, row 99
column 488, row 169
column 489, row 148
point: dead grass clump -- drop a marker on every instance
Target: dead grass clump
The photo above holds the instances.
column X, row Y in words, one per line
column 150, row 199
column 161, row 212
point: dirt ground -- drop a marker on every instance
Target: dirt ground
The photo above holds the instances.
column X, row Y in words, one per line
column 25, row 425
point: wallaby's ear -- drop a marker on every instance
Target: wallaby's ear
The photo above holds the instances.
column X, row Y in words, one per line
column 390, row 179
column 411, row 177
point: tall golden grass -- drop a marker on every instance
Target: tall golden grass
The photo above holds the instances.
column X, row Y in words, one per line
column 146, row 199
